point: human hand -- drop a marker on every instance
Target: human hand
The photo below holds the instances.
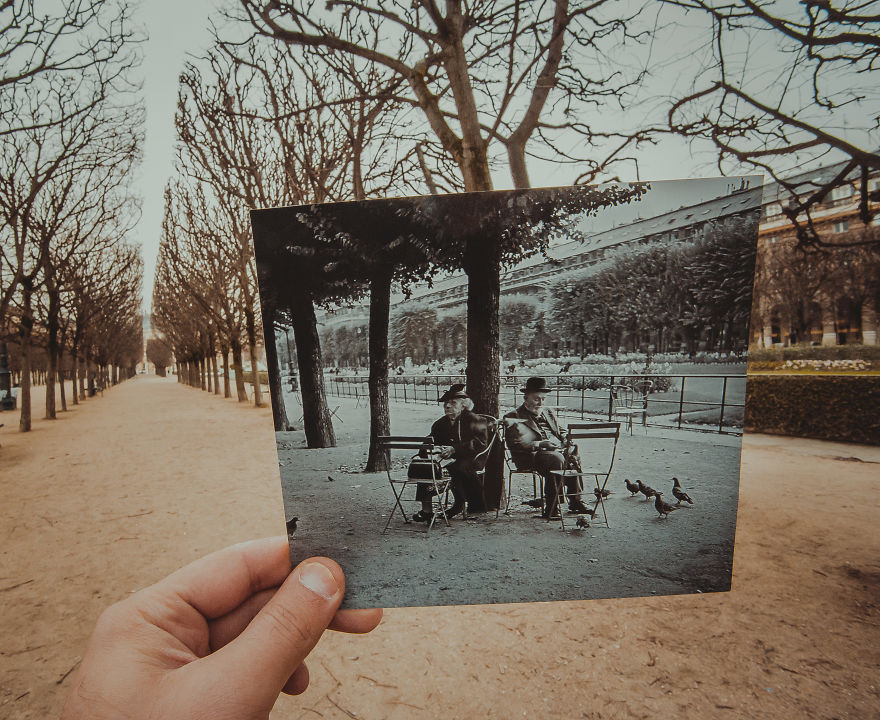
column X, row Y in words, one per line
column 548, row 445
column 220, row 638
column 446, row 452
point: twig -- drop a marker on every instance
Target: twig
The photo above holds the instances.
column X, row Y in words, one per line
column 376, row 682
column 401, row 702
column 12, row 587
column 64, row 677
column 335, row 679
column 347, row 712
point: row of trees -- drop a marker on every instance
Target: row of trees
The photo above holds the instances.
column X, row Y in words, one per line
column 70, row 136
column 350, row 100
column 665, row 295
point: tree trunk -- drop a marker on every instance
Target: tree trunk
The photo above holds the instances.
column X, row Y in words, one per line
column 61, row 380
column 26, row 324
column 380, row 424
column 227, row 390
column 276, row 391
column 202, row 373
column 215, row 373
column 238, row 368
column 251, row 325
column 484, row 292
column 83, row 372
column 51, row 354
column 316, row 416
column 74, row 373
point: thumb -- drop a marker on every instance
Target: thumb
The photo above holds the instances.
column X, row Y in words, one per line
column 256, row 665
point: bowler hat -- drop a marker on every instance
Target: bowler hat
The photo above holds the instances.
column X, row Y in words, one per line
column 454, row 392
column 535, row 384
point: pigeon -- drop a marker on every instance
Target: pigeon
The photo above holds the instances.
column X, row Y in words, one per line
column 632, row 487
column 291, row 526
column 648, row 492
column 680, row 494
column 330, row 478
column 582, row 522
column 664, row 508
column 601, row 493
column 536, row 503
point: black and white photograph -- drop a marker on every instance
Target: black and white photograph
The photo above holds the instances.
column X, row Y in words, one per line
column 513, row 396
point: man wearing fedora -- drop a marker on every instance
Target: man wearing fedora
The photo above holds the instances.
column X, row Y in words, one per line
column 537, row 443
column 462, row 436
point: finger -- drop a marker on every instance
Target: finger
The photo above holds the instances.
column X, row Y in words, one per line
column 225, row 629
column 298, row 682
column 221, row 581
column 356, row 621
column 260, row 661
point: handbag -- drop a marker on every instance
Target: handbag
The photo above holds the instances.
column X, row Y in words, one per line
column 424, row 469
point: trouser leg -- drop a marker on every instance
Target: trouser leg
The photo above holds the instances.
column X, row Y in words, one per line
column 545, row 462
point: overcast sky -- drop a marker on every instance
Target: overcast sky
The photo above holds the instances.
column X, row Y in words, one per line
column 176, row 27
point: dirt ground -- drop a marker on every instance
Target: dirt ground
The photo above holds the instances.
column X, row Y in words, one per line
column 125, row 488
column 516, row 557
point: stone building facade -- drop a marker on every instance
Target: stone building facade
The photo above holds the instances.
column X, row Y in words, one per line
column 819, row 298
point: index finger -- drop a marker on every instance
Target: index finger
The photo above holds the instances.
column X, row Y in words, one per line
column 220, row 582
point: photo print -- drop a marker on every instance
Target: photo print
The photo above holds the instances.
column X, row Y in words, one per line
column 513, row 396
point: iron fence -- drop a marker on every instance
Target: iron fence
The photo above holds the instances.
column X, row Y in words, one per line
column 705, row 403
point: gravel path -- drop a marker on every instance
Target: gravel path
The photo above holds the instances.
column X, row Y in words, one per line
column 125, row 488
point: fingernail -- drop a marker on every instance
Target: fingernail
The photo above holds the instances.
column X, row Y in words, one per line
column 317, row 578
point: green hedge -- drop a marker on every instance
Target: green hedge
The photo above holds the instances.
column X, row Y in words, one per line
column 807, row 352
column 836, row 407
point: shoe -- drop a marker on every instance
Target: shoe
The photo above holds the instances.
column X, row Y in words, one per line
column 577, row 506
column 536, row 503
column 552, row 513
column 422, row 516
column 452, row 511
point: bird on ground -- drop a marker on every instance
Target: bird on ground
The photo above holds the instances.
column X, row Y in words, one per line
column 679, row 493
column 601, row 493
column 648, row 492
column 330, row 478
column 664, row 508
column 582, row 522
column 536, row 503
column 632, row 487
column 291, row 526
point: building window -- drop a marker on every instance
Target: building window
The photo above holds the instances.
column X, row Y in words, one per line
column 772, row 239
column 841, row 226
column 842, row 192
column 773, row 209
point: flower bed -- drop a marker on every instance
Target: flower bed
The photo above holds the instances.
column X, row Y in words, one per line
column 831, row 365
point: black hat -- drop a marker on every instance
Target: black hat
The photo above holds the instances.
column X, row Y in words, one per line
column 454, row 392
column 535, row 384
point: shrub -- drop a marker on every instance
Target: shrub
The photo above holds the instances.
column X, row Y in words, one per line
column 835, row 407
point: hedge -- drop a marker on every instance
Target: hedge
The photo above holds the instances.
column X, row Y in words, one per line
column 807, row 352
column 838, row 407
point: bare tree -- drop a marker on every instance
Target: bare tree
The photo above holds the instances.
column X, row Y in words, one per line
column 480, row 74
column 67, row 123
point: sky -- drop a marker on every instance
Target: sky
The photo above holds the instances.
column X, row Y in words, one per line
column 178, row 27
column 164, row 56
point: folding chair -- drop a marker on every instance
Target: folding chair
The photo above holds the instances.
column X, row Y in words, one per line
column 598, row 464
column 537, row 488
column 439, row 484
column 482, row 458
column 629, row 402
